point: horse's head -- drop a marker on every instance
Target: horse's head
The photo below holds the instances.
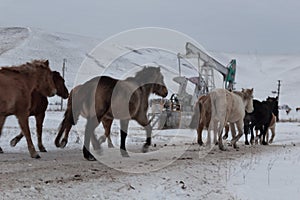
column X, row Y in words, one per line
column 273, row 102
column 59, row 82
column 45, row 84
column 153, row 77
column 248, row 98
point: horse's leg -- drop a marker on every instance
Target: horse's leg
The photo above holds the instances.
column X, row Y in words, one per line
column 252, row 139
column 264, row 132
column 106, row 125
column 67, row 130
column 62, row 128
column 215, row 127
column 199, row 133
column 239, row 125
column 124, row 129
column 225, row 136
column 39, row 130
column 2, row 120
column 16, row 139
column 246, row 133
column 91, row 124
column 220, row 131
column 23, row 122
column 148, row 138
column 267, row 136
column 257, row 136
column 273, row 133
column 233, row 131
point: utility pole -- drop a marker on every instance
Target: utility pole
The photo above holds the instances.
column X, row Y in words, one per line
column 278, row 89
column 63, row 75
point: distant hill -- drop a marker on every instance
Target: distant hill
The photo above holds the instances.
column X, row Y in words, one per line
column 19, row 45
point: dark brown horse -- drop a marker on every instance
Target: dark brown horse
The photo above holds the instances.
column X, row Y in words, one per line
column 103, row 99
column 39, row 104
column 16, row 86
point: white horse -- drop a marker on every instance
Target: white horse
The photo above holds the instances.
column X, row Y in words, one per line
column 230, row 107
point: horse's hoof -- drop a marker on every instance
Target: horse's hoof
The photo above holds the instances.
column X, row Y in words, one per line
column 124, row 153
column 247, row 143
column 87, row 155
column 102, row 139
column 36, row 156
column 63, row 143
column 90, row 158
column 13, row 142
column 145, row 148
column 222, row 148
column 271, row 141
column 225, row 137
column 42, row 149
column 264, row 143
column 1, row 151
column 110, row 146
column 200, row 143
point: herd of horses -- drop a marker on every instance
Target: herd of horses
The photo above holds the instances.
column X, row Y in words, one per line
column 25, row 88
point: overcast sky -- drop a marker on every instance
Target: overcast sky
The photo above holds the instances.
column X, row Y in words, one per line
column 247, row 26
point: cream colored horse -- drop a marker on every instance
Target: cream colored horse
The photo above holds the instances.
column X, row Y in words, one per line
column 230, row 107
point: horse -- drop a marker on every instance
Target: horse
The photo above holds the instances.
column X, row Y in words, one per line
column 16, row 86
column 66, row 125
column 39, row 104
column 230, row 107
column 275, row 106
column 297, row 109
column 260, row 118
column 103, row 99
column 202, row 117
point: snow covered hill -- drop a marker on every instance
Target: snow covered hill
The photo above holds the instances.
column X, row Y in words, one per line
column 19, row 45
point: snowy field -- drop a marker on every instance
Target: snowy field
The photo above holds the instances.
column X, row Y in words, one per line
column 176, row 167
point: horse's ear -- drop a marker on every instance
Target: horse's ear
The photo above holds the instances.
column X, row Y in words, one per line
column 243, row 89
column 55, row 73
column 46, row 62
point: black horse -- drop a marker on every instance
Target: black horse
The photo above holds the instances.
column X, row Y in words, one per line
column 260, row 118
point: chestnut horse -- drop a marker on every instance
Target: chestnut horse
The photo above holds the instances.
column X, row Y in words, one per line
column 103, row 99
column 39, row 104
column 230, row 107
column 16, row 86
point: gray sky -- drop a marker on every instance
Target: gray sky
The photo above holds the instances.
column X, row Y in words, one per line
column 246, row 26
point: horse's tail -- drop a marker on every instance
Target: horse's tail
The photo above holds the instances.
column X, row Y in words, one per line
column 196, row 116
column 197, row 112
column 70, row 118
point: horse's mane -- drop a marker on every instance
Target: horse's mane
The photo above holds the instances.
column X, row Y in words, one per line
column 244, row 95
column 145, row 74
column 25, row 68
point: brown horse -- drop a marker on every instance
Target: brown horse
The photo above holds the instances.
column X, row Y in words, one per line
column 16, row 86
column 66, row 126
column 39, row 104
column 103, row 99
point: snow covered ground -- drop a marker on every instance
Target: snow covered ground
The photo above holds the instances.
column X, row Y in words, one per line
column 175, row 167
